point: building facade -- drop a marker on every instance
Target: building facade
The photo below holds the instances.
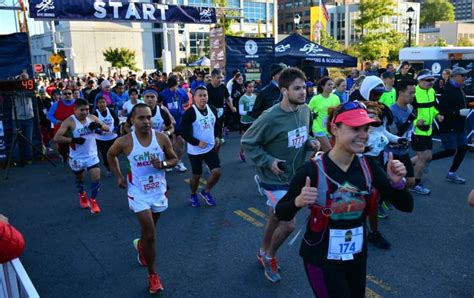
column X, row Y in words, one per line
column 451, row 32
column 84, row 42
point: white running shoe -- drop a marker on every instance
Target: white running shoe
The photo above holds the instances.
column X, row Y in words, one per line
column 261, row 191
column 180, row 167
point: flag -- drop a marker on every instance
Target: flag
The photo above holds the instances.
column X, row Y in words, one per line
column 325, row 11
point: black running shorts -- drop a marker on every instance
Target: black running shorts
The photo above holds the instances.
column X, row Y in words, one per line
column 210, row 158
column 421, row 143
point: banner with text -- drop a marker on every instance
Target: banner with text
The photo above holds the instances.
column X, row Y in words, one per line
column 130, row 11
column 252, row 56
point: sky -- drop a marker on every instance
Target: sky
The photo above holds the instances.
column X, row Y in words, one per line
column 8, row 23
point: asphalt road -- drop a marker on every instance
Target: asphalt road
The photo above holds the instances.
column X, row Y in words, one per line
column 210, row 252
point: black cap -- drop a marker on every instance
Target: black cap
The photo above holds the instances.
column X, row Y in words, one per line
column 275, row 68
column 387, row 75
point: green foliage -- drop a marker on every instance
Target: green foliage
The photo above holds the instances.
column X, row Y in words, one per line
column 375, row 46
column 439, row 42
column 192, row 58
column 329, row 41
column 227, row 22
column 159, row 63
column 121, row 57
column 371, row 14
column 436, row 10
column 464, row 42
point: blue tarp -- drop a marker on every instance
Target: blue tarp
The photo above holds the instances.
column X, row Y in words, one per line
column 14, row 55
column 295, row 48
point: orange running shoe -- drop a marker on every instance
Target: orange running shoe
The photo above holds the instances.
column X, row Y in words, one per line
column 94, row 206
column 155, row 283
column 138, row 247
column 83, row 200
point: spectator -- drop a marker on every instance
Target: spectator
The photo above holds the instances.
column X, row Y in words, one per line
column 270, row 94
column 44, row 105
column 350, row 81
column 439, row 85
column 404, row 73
column 340, row 90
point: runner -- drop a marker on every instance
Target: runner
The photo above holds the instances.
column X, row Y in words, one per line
column 246, row 103
column 78, row 131
column 129, row 104
column 319, row 105
column 176, row 99
column 200, row 129
column 426, row 112
column 270, row 94
column 107, row 138
column 389, row 97
column 160, row 119
column 278, row 143
column 337, row 187
column 149, row 153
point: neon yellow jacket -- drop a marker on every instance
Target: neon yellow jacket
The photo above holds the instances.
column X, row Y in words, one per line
column 425, row 106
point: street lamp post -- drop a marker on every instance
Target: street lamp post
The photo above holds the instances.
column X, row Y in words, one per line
column 297, row 19
column 411, row 16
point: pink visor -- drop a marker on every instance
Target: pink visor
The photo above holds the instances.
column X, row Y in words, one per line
column 355, row 118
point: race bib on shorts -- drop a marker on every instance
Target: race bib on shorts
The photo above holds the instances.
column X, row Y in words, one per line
column 151, row 183
column 343, row 244
column 298, row 137
column 77, row 165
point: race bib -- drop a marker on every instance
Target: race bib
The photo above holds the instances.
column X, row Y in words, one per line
column 77, row 165
column 173, row 105
column 220, row 112
column 343, row 244
column 298, row 137
column 151, row 183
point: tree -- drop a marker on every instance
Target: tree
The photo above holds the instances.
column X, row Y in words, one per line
column 225, row 20
column 464, row 42
column 121, row 57
column 436, row 10
column 372, row 13
column 440, row 42
column 329, row 41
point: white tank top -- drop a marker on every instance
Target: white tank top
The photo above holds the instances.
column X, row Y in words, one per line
column 203, row 130
column 89, row 148
column 109, row 121
column 143, row 179
column 157, row 122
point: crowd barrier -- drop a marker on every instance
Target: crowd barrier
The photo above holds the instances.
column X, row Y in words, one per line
column 15, row 282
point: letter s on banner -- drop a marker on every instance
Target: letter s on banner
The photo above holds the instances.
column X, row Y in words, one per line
column 100, row 11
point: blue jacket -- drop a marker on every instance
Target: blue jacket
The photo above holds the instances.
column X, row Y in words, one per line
column 175, row 102
column 113, row 96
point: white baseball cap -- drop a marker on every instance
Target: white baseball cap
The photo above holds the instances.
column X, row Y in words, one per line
column 369, row 84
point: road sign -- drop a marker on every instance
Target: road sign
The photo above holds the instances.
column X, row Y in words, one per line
column 38, row 68
column 56, row 68
column 55, row 59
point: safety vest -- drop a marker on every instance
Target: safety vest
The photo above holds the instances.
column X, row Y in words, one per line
column 425, row 109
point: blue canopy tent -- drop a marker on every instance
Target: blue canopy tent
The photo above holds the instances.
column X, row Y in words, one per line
column 296, row 48
column 203, row 61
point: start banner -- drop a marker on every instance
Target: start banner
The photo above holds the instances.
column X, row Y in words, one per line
column 121, row 10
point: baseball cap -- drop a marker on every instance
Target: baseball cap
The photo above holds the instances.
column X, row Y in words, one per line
column 353, row 114
column 369, row 84
column 309, row 84
column 275, row 68
column 459, row 71
column 425, row 74
column 388, row 75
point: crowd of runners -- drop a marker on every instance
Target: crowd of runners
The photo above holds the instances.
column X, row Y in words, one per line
column 350, row 151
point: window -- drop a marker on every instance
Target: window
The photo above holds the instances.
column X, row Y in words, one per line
column 289, row 27
column 233, row 3
column 254, row 12
column 271, row 7
column 198, row 42
column 307, row 13
column 200, row 3
column 289, row 15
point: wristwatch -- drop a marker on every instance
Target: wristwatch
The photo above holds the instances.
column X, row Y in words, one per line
column 164, row 164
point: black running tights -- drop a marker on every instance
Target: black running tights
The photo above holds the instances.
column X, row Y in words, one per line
column 458, row 156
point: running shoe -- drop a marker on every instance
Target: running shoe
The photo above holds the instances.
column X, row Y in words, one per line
column 223, row 141
column 378, row 240
column 195, row 201
column 242, row 157
column 261, row 256
column 83, row 200
column 260, row 189
column 180, row 167
column 208, row 198
column 140, row 257
column 382, row 213
column 454, row 178
column 155, row 283
column 168, row 170
column 270, row 267
column 94, row 206
column 420, row 189
column 387, row 205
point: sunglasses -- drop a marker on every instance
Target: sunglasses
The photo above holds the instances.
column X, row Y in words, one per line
column 429, row 80
column 67, row 93
column 348, row 106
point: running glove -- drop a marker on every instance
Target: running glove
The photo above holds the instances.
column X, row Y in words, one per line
column 79, row 141
column 94, row 125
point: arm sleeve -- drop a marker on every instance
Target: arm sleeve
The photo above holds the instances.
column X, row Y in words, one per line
column 253, row 140
column 242, row 110
column 390, row 136
column 401, row 199
column 166, row 117
column 186, row 127
column 51, row 112
column 286, row 209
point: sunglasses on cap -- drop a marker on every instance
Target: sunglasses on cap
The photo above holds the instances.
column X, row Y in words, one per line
column 348, row 106
column 429, row 80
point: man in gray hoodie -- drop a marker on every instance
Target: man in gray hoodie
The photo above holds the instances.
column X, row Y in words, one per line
column 278, row 143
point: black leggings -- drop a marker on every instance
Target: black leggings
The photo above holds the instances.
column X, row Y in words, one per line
column 337, row 280
column 103, row 147
column 458, row 156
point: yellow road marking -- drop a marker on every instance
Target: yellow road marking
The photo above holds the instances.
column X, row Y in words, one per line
column 248, row 218
column 371, row 294
column 258, row 213
column 380, row 283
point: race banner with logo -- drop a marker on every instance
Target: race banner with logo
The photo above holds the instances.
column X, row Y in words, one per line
column 121, row 10
column 252, row 56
